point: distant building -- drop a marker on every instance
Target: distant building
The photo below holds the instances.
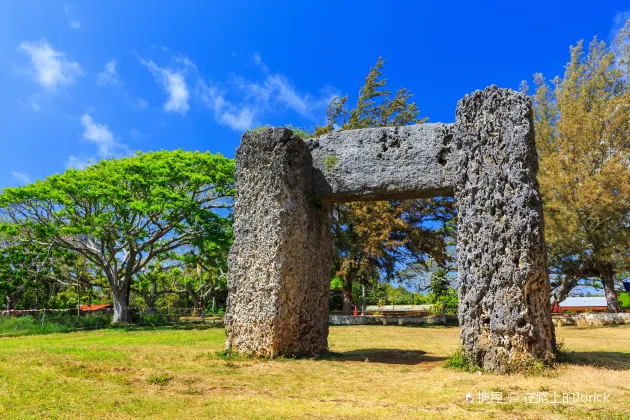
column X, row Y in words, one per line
column 399, row 310
column 583, row 304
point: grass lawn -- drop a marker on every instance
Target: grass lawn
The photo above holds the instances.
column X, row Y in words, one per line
column 374, row 372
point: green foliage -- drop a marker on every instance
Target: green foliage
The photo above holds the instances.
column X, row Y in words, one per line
column 51, row 323
column 122, row 214
column 157, row 319
column 375, row 107
column 330, row 162
column 461, row 361
column 160, row 379
column 582, row 129
column 441, row 294
column 371, row 239
column 528, row 366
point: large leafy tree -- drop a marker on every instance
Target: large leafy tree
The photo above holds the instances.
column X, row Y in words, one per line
column 121, row 214
column 372, row 239
column 583, row 139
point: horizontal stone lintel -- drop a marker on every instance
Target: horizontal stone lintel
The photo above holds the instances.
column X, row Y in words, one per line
column 389, row 163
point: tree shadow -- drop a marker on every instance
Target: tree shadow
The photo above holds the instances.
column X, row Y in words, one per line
column 615, row 360
column 388, row 356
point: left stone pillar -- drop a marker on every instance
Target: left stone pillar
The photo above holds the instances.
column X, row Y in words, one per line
column 279, row 264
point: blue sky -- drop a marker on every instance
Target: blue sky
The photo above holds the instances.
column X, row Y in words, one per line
column 81, row 81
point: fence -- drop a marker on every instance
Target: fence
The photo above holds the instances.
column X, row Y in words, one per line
column 98, row 316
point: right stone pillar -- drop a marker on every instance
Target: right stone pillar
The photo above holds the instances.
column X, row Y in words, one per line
column 504, row 288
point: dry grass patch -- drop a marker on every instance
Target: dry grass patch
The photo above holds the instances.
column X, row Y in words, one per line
column 371, row 372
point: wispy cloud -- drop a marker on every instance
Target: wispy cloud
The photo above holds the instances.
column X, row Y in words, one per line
column 78, row 162
column 51, row 68
column 619, row 21
column 21, row 177
column 173, row 82
column 238, row 118
column 254, row 99
column 32, row 103
column 109, row 75
column 239, row 103
column 259, row 62
column 73, row 22
column 100, row 135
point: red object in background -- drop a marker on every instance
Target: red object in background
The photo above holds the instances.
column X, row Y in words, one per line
column 355, row 311
column 88, row 308
column 556, row 307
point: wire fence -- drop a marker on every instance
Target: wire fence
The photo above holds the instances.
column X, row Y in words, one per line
column 72, row 319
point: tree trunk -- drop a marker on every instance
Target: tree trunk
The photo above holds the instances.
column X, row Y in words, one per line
column 608, row 281
column 9, row 303
column 346, row 296
column 150, row 299
column 121, row 304
column 363, row 299
column 560, row 293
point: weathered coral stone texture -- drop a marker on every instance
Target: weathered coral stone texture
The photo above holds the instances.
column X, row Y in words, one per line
column 504, row 291
column 384, row 163
column 279, row 264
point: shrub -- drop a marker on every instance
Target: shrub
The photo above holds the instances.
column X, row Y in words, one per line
column 161, row 379
column 462, row 362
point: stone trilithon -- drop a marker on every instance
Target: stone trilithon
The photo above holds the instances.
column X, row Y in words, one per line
column 279, row 266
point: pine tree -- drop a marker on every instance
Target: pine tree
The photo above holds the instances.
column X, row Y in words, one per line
column 372, row 239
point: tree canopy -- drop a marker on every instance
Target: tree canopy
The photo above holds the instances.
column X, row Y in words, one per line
column 583, row 139
column 121, row 214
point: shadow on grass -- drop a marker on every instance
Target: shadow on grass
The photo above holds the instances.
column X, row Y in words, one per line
column 610, row 360
column 388, row 356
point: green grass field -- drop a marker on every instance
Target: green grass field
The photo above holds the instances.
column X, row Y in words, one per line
column 373, row 372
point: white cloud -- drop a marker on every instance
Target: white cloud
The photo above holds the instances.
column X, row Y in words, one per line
column 73, row 23
column 51, row 68
column 173, row 82
column 109, row 76
column 276, row 90
column 76, row 162
column 106, row 144
column 619, row 21
column 245, row 103
column 288, row 95
column 238, row 119
column 31, row 104
column 259, row 62
column 100, row 135
column 21, row 177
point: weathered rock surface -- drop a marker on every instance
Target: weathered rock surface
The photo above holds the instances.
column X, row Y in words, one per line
column 279, row 265
column 280, row 262
column 503, row 285
column 384, row 163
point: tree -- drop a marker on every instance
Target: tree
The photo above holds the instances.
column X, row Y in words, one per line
column 121, row 214
column 21, row 266
column 441, row 293
column 583, row 139
column 371, row 238
column 153, row 281
column 205, row 270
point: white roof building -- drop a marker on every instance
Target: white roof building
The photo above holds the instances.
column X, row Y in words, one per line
column 593, row 301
